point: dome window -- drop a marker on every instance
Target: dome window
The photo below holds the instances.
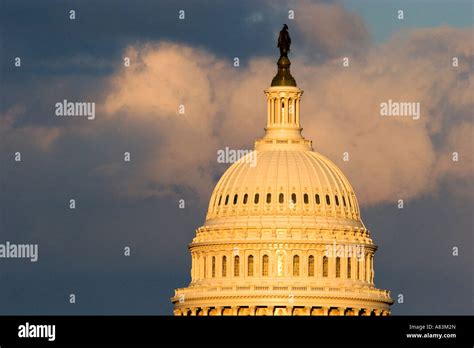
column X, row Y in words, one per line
column 224, row 266
column 256, row 198
column 265, row 266
column 281, row 198
column 226, row 199
column 337, row 200
column 213, row 267
column 305, row 198
column 318, row 200
column 236, row 197
column 220, row 199
column 344, row 201
column 325, row 266
column 205, row 267
column 328, row 200
column 246, row 197
column 293, row 198
column 236, row 266
column 311, row 266
column 349, row 268
column 269, row 198
column 250, row 266
column 296, row 265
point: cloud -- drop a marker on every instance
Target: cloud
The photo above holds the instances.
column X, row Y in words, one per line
column 329, row 30
column 390, row 157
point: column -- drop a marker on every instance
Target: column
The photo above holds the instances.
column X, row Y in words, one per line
column 318, row 263
column 372, row 269
column 367, row 266
column 332, row 266
column 293, row 114
column 268, row 110
column 297, row 111
column 252, row 310
column 277, row 110
column 273, row 117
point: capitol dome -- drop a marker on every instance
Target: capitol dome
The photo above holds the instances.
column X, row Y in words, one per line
column 283, row 233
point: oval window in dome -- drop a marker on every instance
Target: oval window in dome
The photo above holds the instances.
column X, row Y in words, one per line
column 236, row 197
column 246, row 197
column 220, row 199
column 256, row 198
column 281, row 198
column 293, row 198
column 344, row 201
column 269, row 198
column 305, row 198
column 328, row 200
column 337, row 200
column 318, row 200
column 226, row 200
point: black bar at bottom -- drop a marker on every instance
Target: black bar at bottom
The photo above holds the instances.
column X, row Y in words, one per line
column 155, row 330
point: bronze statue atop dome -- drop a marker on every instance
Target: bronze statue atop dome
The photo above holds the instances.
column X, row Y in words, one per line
column 284, row 41
column 283, row 76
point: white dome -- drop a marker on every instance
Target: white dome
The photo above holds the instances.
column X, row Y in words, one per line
column 291, row 185
column 283, row 223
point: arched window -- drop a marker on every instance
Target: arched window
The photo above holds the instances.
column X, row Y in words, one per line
column 338, row 267
column 250, row 266
column 226, row 199
column 328, row 200
column 325, row 266
column 213, row 266
column 246, row 197
column 265, row 265
column 281, row 198
column 220, row 199
column 224, row 266
column 344, row 201
column 337, row 200
column 318, row 201
column 236, row 266
column 256, row 198
column 349, row 266
column 269, row 198
column 305, row 198
column 296, row 265
column 205, row 267
column 293, row 198
column 235, row 199
column 311, row 266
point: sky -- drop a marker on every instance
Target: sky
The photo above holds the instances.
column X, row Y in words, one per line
column 173, row 156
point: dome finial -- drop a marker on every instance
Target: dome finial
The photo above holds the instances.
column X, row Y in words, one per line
column 283, row 76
